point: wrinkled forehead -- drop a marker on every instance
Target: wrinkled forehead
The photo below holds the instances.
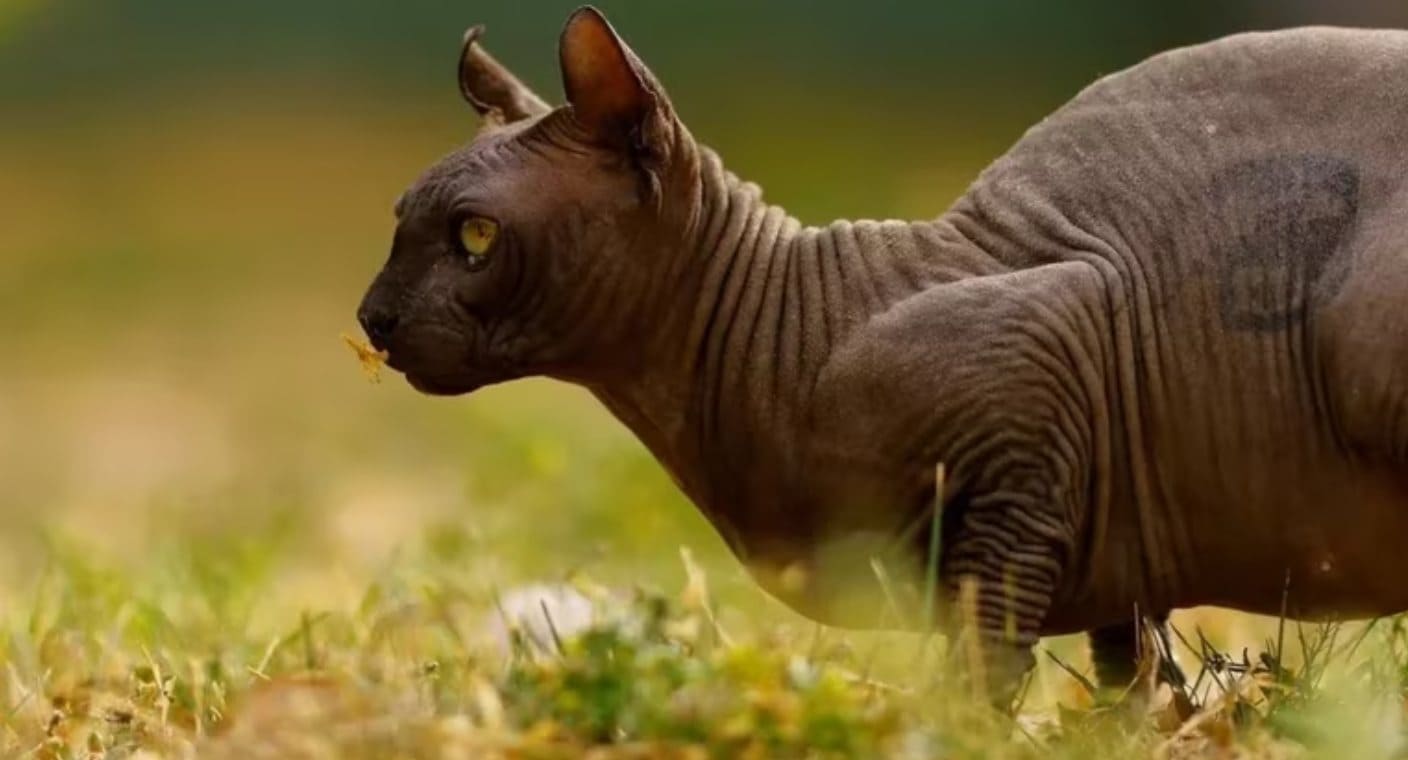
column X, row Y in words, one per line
column 496, row 151
column 439, row 184
column 537, row 158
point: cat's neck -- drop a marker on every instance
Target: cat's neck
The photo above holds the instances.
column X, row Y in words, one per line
column 758, row 302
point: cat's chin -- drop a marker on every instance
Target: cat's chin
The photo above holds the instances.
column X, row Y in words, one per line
column 438, row 387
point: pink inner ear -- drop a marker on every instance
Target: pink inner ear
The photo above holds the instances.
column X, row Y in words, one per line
column 597, row 72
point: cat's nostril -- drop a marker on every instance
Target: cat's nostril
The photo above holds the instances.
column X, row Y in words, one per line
column 379, row 325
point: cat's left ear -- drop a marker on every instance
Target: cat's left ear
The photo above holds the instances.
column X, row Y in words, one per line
column 612, row 94
column 493, row 91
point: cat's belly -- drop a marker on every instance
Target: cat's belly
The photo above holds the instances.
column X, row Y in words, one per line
column 1340, row 550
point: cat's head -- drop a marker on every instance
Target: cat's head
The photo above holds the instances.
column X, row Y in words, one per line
column 541, row 246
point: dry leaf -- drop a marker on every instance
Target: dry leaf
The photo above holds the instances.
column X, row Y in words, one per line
column 370, row 358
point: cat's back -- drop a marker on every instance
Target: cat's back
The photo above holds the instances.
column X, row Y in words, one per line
column 1141, row 156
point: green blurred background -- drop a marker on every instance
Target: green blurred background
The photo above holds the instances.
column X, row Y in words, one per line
column 193, row 196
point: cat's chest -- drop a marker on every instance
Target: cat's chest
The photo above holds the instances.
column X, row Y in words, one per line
column 792, row 508
column 814, row 540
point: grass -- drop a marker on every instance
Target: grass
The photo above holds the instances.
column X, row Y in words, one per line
column 221, row 541
column 162, row 658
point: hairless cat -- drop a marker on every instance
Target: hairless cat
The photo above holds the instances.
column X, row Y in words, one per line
column 1160, row 348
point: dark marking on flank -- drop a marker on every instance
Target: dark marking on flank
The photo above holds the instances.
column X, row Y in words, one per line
column 1284, row 252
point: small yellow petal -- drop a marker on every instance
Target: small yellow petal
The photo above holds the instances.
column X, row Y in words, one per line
column 370, row 358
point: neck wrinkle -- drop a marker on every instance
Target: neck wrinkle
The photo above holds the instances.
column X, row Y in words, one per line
column 750, row 311
column 739, row 246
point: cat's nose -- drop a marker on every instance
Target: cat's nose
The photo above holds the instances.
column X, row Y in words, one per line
column 378, row 325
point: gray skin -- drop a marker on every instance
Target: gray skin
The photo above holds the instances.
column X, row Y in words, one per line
column 1160, row 347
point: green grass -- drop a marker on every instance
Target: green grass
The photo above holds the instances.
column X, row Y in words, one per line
column 164, row 655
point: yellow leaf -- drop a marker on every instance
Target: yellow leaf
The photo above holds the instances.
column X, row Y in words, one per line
column 370, row 358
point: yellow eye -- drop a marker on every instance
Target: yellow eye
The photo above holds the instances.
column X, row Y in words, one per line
column 477, row 235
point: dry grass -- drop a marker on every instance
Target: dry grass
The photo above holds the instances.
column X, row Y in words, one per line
column 160, row 661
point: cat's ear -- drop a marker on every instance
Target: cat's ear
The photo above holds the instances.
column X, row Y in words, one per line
column 611, row 92
column 493, row 90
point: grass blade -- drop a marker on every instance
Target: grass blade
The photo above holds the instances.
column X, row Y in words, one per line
column 931, row 570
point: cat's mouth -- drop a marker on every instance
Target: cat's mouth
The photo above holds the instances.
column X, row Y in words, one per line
column 440, row 381
column 440, row 361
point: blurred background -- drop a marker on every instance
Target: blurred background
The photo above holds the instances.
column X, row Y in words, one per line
column 194, row 195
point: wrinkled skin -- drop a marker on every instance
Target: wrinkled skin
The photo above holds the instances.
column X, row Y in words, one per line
column 1160, row 347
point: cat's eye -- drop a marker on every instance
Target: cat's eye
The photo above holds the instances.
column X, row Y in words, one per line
column 477, row 235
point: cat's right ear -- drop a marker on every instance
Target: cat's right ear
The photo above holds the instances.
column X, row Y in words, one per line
column 494, row 92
